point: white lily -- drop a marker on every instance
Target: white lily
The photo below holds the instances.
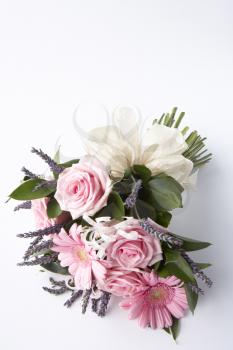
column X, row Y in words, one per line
column 121, row 145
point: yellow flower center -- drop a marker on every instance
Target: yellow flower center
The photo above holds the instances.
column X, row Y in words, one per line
column 82, row 255
column 160, row 294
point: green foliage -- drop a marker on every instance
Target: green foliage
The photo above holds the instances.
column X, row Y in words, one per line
column 26, row 191
column 57, row 155
column 144, row 210
column 190, row 245
column 164, row 192
column 69, row 163
column 163, row 218
column 156, row 266
column 115, row 207
column 192, row 297
column 176, row 265
column 124, row 187
column 174, row 330
column 53, row 208
column 203, row 266
column 141, row 172
column 55, row 267
column 196, row 151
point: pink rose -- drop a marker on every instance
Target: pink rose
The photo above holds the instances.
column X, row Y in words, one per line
column 122, row 283
column 134, row 248
column 84, row 188
column 39, row 209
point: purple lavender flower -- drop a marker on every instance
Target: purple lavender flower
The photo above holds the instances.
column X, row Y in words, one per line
column 130, row 201
column 51, row 163
column 24, row 205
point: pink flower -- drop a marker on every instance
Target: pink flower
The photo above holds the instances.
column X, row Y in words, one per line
column 84, row 188
column 133, row 248
column 121, row 282
column 39, row 209
column 158, row 300
column 81, row 260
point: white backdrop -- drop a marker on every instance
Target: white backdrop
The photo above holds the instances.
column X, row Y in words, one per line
column 155, row 54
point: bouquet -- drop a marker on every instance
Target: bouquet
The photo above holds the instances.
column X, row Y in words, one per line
column 102, row 221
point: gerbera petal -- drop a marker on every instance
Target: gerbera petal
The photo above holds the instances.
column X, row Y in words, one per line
column 159, row 318
column 125, row 304
column 73, row 268
column 175, row 309
column 83, row 277
column 144, row 318
column 167, row 318
column 136, row 310
column 153, row 323
column 158, row 299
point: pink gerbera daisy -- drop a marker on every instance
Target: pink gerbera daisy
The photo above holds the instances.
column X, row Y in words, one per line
column 158, row 300
column 82, row 260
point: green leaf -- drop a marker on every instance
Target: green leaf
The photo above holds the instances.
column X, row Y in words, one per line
column 69, row 163
column 192, row 297
column 115, row 207
column 55, row 267
column 123, row 187
column 53, row 208
column 176, row 265
column 26, row 190
column 203, row 266
column 174, row 330
column 145, row 210
column 57, row 155
column 128, row 173
column 163, row 218
column 156, row 266
column 190, row 245
column 141, row 172
column 66, row 165
column 165, row 192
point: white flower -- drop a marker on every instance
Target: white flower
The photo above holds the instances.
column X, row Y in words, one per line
column 103, row 231
column 160, row 148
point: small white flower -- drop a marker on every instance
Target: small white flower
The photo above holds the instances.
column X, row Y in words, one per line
column 100, row 234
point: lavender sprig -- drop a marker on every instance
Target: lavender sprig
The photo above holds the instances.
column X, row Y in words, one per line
column 75, row 295
column 28, row 173
column 104, row 301
column 95, row 304
column 196, row 289
column 38, row 248
column 85, row 300
column 24, row 205
column 51, row 163
column 43, row 260
column 132, row 198
column 42, row 232
column 32, row 244
column 57, row 291
column 196, row 270
column 162, row 236
column 57, row 283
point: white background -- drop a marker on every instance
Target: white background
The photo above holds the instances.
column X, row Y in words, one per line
column 153, row 54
